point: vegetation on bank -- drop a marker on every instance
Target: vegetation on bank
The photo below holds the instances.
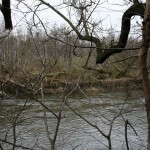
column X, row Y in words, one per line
column 34, row 60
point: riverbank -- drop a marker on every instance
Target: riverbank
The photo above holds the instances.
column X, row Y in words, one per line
column 33, row 86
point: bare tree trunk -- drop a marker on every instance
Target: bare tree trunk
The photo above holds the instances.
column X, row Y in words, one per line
column 52, row 146
column 143, row 64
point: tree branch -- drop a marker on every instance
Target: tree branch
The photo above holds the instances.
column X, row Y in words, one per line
column 61, row 15
column 135, row 9
column 5, row 9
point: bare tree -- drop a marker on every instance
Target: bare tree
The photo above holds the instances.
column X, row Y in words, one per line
column 102, row 54
column 45, row 56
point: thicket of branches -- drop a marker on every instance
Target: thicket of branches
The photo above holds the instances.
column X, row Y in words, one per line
column 43, row 52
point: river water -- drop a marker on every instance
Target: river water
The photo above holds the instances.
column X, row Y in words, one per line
column 74, row 132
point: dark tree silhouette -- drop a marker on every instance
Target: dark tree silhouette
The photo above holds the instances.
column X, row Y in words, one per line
column 5, row 9
column 137, row 9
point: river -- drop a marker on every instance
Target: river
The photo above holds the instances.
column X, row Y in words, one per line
column 74, row 132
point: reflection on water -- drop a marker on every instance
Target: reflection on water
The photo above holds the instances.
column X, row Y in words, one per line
column 74, row 132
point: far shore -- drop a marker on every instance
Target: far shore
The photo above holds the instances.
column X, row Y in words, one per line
column 14, row 88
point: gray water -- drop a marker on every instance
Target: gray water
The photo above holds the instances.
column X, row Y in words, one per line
column 74, row 133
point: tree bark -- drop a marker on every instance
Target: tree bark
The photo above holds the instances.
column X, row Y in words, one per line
column 143, row 64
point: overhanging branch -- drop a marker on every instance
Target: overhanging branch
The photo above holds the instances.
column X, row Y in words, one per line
column 135, row 9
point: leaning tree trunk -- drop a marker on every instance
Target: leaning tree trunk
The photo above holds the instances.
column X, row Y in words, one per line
column 143, row 64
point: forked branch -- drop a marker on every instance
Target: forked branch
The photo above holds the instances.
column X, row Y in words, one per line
column 137, row 9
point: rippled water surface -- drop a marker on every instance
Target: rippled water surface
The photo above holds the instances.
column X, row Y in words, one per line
column 74, row 132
